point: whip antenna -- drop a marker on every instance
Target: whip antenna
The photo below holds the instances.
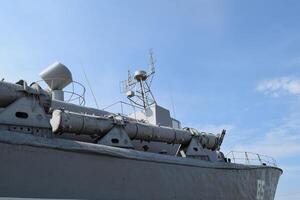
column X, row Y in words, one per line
column 172, row 100
column 89, row 85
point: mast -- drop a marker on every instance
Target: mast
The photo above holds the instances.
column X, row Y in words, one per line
column 138, row 88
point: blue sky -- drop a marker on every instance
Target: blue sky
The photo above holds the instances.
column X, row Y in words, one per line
column 226, row 64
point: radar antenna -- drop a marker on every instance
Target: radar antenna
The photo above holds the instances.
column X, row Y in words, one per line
column 137, row 88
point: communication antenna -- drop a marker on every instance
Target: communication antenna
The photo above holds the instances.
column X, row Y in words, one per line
column 172, row 101
column 137, row 88
column 89, row 85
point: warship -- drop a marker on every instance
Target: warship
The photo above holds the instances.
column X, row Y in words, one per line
column 53, row 146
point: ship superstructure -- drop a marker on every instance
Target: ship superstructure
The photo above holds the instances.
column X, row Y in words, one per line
column 53, row 148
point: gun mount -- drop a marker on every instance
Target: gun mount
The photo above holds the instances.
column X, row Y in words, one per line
column 70, row 122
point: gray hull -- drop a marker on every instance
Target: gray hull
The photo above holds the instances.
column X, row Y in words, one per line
column 56, row 168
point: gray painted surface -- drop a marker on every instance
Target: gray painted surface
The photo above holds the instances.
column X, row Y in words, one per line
column 36, row 163
column 154, row 114
column 56, row 168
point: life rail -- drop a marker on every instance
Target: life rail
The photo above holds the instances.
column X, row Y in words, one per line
column 74, row 92
column 250, row 158
column 124, row 109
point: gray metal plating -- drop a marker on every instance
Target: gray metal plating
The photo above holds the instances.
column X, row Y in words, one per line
column 110, row 156
column 56, row 168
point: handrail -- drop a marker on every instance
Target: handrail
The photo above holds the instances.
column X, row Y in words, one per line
column 73, row 95
column 250, row 158
column 122, row 103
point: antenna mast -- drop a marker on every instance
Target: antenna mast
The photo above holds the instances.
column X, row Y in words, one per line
column 90, row 87
column 137, row 88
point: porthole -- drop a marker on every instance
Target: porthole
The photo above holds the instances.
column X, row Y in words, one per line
column 22, row 115
column 115, row 140
column 145, row 147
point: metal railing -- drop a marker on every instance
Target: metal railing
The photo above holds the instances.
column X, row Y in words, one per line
column 123, row 108
column 73, row 93
column 73, row 96
column 250, row 158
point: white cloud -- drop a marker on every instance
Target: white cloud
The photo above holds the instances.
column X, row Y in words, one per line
column 281, row 141
column 279, row 86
